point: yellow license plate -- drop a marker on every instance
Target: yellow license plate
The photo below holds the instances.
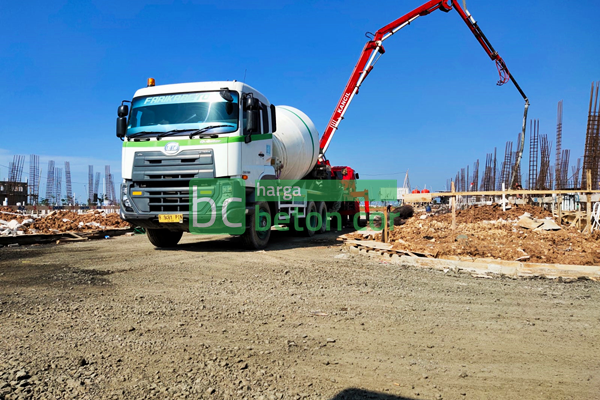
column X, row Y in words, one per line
column 170, row 218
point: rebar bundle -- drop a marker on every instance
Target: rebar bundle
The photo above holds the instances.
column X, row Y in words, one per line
column 564, row 170
column 95, row 193
column 495, row 168
column 91, row 184
column 487, row 180
column 34, row 178
column 57, row 186
column 576, row 174
column 457, row 182
column 591, row 157
column 113, row 195
column 559, row 173
column 68, row 183
column 16, row 169
column 534, row 128
column 475, row 180
column 50, row 182
column 107, row 182
column 506, row 165
column 543, row 180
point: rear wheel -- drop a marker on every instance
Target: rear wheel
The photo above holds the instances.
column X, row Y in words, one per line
column 322, row 210
column 253, row 238
column 163, row 237
column 310, row 223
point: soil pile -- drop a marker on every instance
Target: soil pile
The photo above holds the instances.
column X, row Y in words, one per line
column 498, row 239
column 12, row 223
column 493, row 213
column 64, row 221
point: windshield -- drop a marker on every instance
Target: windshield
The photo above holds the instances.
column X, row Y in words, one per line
column 184, row 111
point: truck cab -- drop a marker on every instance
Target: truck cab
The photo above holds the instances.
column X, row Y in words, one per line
column 175, row 133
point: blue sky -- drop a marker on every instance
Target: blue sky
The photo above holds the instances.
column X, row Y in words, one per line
column 430, row 105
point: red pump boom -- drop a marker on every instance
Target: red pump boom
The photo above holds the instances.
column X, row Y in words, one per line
column 374, row 48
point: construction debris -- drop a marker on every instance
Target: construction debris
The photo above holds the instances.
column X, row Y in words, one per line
column 13, row 224
column 524, row 233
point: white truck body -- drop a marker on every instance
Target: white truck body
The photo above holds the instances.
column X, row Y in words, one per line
column 157, row 170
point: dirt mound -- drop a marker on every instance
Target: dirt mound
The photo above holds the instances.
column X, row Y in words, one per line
column 499, row 240
column 493, row 213
column 9, row 215
column 64, row 221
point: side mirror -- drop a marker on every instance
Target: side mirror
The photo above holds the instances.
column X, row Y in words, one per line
column 253, row 121
column 121, row 126
column 123, row 110
column 226, row 95
column 249, row 102
column 273, row 119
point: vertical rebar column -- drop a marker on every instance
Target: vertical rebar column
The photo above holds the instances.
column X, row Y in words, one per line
column 68, row 183
column 564, row 169
column 95, row 194
column 91, row 184
column 58, row 186
column 558, row 174
column 50, row 182
column 576, row 173
column 495, row 168
column 542, row 182
column 533, row 153
column 506, row 165
column 591, row 157
column 475, row 186
column 113, row 195
column 33, row 187
column 107, row 182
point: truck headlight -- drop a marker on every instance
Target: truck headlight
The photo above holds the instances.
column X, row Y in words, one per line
column 126, row 201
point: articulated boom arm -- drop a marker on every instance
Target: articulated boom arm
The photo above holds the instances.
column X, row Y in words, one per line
column 374, row 48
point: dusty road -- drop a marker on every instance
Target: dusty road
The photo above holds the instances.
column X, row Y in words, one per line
column 118, row 319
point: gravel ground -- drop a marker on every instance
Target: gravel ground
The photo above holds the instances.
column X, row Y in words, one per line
column 118, row 319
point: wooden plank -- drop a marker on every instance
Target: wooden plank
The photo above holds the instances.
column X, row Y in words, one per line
column 511, row 192
column 371, row 243
column 417, row 197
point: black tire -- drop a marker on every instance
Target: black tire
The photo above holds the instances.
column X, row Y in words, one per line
column 335, row 206
column 253, row 239
column 322, row 210
column 311, row 207
column 163, row 237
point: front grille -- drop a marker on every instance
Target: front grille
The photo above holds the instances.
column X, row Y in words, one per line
column 164, row 180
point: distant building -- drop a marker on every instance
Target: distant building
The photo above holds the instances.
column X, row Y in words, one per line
column 12, row 193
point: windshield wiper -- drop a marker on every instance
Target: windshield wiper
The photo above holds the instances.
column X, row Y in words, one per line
column 169, row 133
column 138, row 134
column 207, row 128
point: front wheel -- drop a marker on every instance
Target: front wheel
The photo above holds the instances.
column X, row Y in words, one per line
column 163, row 237
column 258, row 230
